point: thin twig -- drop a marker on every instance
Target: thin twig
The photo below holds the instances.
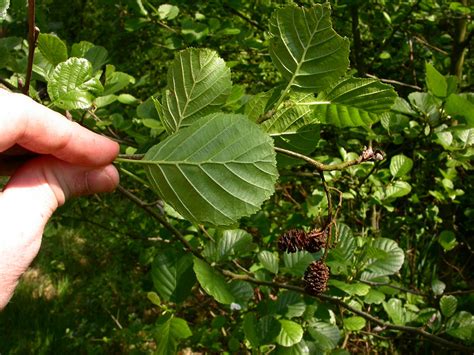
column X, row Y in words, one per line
column 386, row 284
column 338, row 302
column 244, row 17
column 395, row 82
column 151, row 211
column 33, row 33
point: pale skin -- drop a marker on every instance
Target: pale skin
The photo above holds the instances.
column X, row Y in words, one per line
column 71, row 161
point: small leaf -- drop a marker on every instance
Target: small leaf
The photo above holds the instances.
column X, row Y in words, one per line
column 291, row 333
column 269, row 261
column 358, row 289
column 223, row 173
column 435, row 81
column 116, row 81
column 397, row 189
column 448, row 305
column 354, row 323
column 305, row 48
column 242, row 292
column 198, row 84
column 213, row 283
column 447, row 239
column 438, row 287
column 54, row 50
column 354, row 102
column 154, row 298
column 167, row 11
column 71, row 83
column 395, row 311
column 400, row 165
column 173, row 275
column 326, row 335
column 168, row 332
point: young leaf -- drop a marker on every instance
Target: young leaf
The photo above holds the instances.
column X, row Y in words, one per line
column 198, row 84
column 290, row 333
column 395, row 311
column 435, row 81
column 173, row 275
column 213, row 283
column 448, row 305
column 52, row 48
column 71, row 83
column 269, row 261
column 354, row 102
column 400, row 165
column 354, row 323
column 168, row 332
column 216, row 171
column 305, row 48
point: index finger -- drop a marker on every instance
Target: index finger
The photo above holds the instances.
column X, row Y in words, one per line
column 44, row 131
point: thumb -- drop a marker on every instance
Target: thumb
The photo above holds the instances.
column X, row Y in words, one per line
column 31, row 196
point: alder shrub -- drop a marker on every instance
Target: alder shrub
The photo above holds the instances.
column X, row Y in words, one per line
column 213, row 156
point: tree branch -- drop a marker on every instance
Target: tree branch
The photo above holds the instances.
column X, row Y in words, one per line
column 33, row 33
column 338, row 302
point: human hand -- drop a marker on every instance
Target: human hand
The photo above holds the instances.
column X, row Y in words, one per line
column 71, row 161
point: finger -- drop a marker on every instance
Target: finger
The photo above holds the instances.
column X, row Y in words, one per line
column 41, row 130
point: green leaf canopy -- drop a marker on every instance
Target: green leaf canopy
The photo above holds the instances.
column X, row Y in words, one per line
column 354, row 102
column 198, row 84
column 305, row 48
column 215, row 171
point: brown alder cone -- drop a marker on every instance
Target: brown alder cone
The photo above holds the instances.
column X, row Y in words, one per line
column 316, row 240
column 316, row 277
column 292, row 240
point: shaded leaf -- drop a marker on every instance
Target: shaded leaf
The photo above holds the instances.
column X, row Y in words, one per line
column 397, row 189
column 374, row 297
column 388, row 259
column 354, row 102
column 290, row 304
column 52, row 48
column 223, row 173
column 213, row 283
column 250, row 330
column 198, row 84
column 326, row 335
column 269, row 261
column 168, row 332
column 459, row 106
column 305, row 48
column 461, row 326
column 435, row 81
column 296, row 263
column 448, row 305
column 447, row 239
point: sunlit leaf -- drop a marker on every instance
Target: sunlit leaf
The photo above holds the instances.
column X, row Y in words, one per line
column 400, row 165
column 198, row 84
column 269, row 261
column 290, row 333
column 4, row 5
column 354, row 323
column 223, row 173
column 52, row 48
column 351, row 289
column 354, row 102
column 387, row 262
column 305, row 48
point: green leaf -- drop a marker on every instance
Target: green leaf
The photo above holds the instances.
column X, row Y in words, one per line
column 242, row 292
column 173, row 275
column 438, row 287
column 303, row 141
column 435, row 81
column 374, row 297
column 340, row 258
column 305, row 48
column 326, row 335
column 296, row 263
column 52, row 48
column 250, row 330
column 448, row 305
column 290, row 333
column 71, row 83
column 168, row 12
column 395, row 311
column 447, row 239
column 223, row 173
column 354, row 323
column 400, row 165
column 98, row 56
column 458, row 106
column 301, row 348
column 168, row 332
column 154, row 298
column 290, row 304
column 229, row 243
column 461, row 326
column 387, row 261
column 352, row 102
column 397, row 189
column 198, row 84
column 116, row 81
column 212, row 282
column 4, row 5
column 269, row 261
column 351, row 289
column 80, row 49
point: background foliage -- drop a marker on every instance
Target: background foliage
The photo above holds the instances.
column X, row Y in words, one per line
column 125, row 272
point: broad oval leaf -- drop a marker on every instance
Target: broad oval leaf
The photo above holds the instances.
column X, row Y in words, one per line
column 296, row 263
column 172, row 275
column 230, row 242
column 213, row 283
column 198, row 84
column 354, row 102
column 71, row 83
column 326, row 335
column 216, row 171
column 400, row 165
column 269, row 261
column 436, row 82
column 305, row 48
column 52, row 48
column 386, row 260
column 397, row 189
column 354, row 323
column 448, row 305
column 169, row 331
column 290, row 333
